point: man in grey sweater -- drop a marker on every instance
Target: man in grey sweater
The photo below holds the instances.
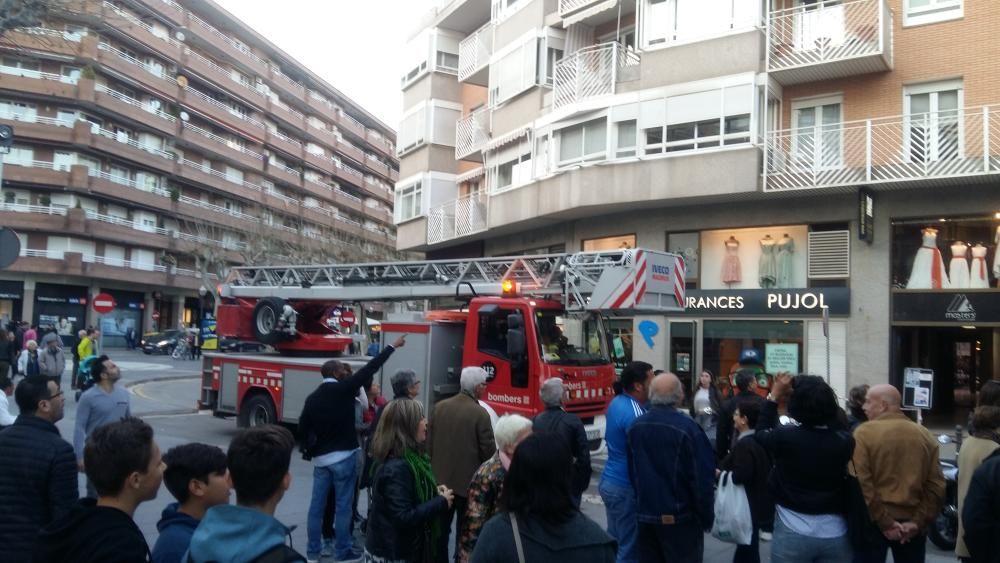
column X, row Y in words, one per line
column 102, row 404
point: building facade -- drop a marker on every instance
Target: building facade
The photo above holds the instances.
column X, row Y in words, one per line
column 801, row 155
column 151, row 137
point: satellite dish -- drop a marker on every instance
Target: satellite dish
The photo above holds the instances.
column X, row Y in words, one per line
column 179, row 35
column 182, row 81
column 10, row 247
column 185, row 116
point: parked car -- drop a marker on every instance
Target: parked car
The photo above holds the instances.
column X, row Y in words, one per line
column 231, row 345
column 160, row 342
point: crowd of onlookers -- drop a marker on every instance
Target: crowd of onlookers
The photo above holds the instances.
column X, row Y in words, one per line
column 822, row 484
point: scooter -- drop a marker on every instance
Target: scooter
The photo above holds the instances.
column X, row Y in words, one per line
column 944, row 530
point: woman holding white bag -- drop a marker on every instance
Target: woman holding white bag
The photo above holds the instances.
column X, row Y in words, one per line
column 750, row 465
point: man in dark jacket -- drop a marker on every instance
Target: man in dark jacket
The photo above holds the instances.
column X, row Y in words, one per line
column 981, row 512
column 329, row 437
column 672, row 470
column 460, row 438
column 123, row 462
column 746, row 381
column 38, row 480
column 570, row 429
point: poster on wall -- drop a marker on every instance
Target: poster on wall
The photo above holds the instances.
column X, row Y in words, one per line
column 781, row 358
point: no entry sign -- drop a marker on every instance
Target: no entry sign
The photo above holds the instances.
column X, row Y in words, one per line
column 347, row 318
column 103, row 303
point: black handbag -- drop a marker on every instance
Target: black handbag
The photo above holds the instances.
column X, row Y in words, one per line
column 861, row 529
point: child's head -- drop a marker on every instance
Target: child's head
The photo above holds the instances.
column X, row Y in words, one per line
column 197, row 473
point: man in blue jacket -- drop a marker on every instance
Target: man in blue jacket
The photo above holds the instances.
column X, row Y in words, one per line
column 196, row 476
column 672, row 468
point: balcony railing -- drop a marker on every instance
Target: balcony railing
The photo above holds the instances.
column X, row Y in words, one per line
column 155, row 70
column 847, row 38
column 35, row 74
column 472, row 132
column 134, row 102
column 136, row 21
column 591, row 72
column 463, row 216
column 123, row 137
column 40, row 209
column 222, row 140
column 232, row 42
column 959, row 143
column 474, row 52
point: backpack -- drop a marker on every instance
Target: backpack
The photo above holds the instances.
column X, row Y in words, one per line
column 84, row 378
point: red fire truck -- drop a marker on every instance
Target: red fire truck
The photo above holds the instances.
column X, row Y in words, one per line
column 524, row 319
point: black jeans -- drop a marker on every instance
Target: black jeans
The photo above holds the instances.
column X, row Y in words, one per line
column 912, row 551
column 749, row 553
column 457, row 511
column 679, row 543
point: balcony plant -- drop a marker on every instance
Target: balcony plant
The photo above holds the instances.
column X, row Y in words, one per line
column 88, row 73
column 175, row 194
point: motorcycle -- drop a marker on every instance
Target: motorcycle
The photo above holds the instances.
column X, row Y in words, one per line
column 944, row 530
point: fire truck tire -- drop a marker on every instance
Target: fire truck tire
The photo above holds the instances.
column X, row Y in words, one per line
column 265, row 318
column 257, row 410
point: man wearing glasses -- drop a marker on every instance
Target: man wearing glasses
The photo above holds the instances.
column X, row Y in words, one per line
column 38, row 483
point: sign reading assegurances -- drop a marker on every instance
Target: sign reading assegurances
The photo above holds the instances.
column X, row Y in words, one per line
column 651, row 281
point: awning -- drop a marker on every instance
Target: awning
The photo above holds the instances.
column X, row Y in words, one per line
column 508, row 138
column 593, row 10
column 470, row 175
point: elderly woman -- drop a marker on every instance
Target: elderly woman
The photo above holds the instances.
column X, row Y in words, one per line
column 570, row 428
column 487, row 482
column 27, row 362
column 983, row 441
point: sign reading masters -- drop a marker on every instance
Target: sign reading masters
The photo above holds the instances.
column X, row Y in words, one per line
column 768, row 302
column 946, row 307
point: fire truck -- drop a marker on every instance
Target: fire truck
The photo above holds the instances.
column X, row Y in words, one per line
column 523, row 319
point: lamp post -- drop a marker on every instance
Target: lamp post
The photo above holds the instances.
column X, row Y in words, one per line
column 202, row 291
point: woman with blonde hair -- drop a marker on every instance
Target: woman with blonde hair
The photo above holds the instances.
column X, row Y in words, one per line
column 405, row 521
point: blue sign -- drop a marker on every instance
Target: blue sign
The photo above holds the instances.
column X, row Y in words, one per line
column 648, row 329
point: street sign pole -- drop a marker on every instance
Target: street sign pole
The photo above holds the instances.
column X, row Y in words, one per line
column 826, row 334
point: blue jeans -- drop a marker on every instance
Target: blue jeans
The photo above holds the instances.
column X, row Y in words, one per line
column 619, row 504
column 789, row 547
column 341, row 476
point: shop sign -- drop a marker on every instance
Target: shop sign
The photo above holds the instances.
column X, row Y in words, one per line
column 946, row 307
column 66, row 300
column 11, row 290
column 768, row 302
column 866, row 215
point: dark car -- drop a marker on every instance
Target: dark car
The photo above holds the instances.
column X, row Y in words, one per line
column 160, row 342
column 234, row 345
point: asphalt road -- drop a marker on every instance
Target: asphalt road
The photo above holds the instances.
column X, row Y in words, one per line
column 165, row 394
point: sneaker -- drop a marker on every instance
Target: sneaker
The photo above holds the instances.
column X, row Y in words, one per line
column 352, row 556
column 766, row 536
column 327, row 548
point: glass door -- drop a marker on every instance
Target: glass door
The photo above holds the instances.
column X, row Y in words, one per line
column 934, row 125
column 816, row 141
column 682, row 335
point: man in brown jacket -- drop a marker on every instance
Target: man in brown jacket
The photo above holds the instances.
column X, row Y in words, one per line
column 896, row 462
column 460, row 440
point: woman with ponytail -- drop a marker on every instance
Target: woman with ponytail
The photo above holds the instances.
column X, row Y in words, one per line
column 404, row 520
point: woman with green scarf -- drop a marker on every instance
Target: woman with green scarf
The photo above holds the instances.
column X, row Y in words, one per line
column 404, row 518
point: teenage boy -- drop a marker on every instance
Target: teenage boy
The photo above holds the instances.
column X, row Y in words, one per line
column 123, row 463
column 258, row 461
column 196, row 475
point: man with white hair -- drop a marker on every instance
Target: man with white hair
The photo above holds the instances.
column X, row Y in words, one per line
column 672, row 468
column 460, row 439
column 487, row 483
column 570, row 429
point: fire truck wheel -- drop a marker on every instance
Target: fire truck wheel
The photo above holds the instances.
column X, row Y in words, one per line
column 265, row 318
column 257, row 410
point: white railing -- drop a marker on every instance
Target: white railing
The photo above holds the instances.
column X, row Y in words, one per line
column 341, row 192
column 832, row 31
column 222, row 140
column 219, row 174
column 115, row 178
column 472, row 132
column 133, row 102
column 35, row 253
column 221, row 70
column 41, row 209
column 36, row 74
column 570, row 6
column 155, row 70
column 458, row 218
column 297, row 114
column 285, row 138
column 287, row 79
column 287, row 169
column 134, row 143
column 222, row 105
column 591, row 72
column 350, row 119
column 349, row 221
column 132, row 18
column 35, row 118
column 232, row 42
column 284, row 198
column 945, row 144
column 351, row 171
column 474, row 51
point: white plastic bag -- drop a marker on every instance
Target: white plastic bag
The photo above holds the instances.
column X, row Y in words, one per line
column 733, row 523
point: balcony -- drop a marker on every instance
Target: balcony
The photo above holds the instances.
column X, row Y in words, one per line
column 284, row 143
column 381, row 144
column 348, row 174
column 45, row 40
column 591, row 72
column 283, row 112
column 33, row 82
column 123, row 146
column 319, row 161
column 149, row 75
column 222, row 77
column 102, row 96
column 208, row 176
column 458, row 218
column 474, row 56
column 472, row 132
column 902, row 151
column 351, row 125
column 210, row 107
column 130, row 25
column 168, row 8
column 285, row 174
column 827, row 40
column 349, row 201
column 350, row 150
column 38, row 128
column 284, row 83
column 87, row 265
column 232, row 151
column 229, row 46
column 376, row 166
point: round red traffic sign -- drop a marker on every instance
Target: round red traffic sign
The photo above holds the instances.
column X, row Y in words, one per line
column 156, row 315
column 347, row 318
column 103, row 303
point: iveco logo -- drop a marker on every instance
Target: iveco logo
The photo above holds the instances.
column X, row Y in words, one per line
column 960, row 309
column 659, row 269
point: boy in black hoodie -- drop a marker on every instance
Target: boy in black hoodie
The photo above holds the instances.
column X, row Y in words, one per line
column 123, row 462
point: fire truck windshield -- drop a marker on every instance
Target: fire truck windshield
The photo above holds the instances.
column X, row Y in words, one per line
column 571, row 341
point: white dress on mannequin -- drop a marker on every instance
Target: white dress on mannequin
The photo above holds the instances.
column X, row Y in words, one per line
column 958, row 269
column 928, row 266
column 979, row 277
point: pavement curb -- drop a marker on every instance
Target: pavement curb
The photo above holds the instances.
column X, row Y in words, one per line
column 129, row 384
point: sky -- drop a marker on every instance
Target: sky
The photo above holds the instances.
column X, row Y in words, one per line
column 353, row 45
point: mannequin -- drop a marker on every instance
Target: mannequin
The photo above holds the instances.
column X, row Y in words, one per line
column 958, row 269
column 785, row 246
column 996, row 256
column 732, row 270
column 928, row 267
column 979, row 277
column 767, row 271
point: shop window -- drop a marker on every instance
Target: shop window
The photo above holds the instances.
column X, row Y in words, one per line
column 945, row 253
column 725, row 340
column 619, row 242
column 754, row 258
column 686, row 245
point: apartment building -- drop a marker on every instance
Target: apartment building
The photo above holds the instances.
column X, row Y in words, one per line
column 151, row 134
column 802, row 155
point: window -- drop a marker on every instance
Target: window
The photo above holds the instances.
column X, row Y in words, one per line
column 514, row 172
column 120, row 175
column 586, row 141
column 66, row 117
column 62, row 160
column 675, row 21
column 447, row 61
column 18, row 111
column 430, row 122
column 409, row 201
column 70, row 74
column 20, row 155
column 697, row 120
column 514, row 72
column 548, row 57
column 692, row 135
column 816, row 141
column 917, row 12
column 234, row 175
column 494, row 329
column 934, row 121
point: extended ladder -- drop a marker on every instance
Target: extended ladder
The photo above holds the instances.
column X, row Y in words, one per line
column 621, row 279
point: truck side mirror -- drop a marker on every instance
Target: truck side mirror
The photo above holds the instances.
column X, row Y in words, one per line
column 515, row 337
